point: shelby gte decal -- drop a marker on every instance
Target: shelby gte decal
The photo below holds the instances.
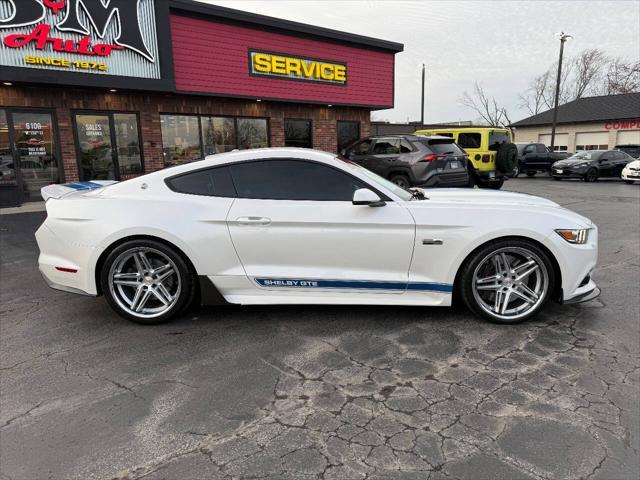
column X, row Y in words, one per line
column 352, row 284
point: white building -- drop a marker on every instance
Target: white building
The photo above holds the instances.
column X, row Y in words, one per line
column 590, row 123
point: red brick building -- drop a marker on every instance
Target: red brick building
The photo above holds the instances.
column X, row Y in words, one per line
column 91, row 93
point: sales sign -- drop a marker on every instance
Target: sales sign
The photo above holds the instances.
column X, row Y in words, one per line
column 292, row 67
column 103, row 37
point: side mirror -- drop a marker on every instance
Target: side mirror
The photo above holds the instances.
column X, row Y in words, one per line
column 364, row 196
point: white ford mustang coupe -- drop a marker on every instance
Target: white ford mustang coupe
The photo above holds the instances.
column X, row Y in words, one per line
column 286, row 225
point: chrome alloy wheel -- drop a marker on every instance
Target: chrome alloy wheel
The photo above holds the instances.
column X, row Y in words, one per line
column 144, row 282
column 510, row 282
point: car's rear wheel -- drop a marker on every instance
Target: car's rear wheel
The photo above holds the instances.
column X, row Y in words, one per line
column 146, row 281
column 591, row 175
column 531, row 174
column 400, row 179
column 494, row 184
column 507, row 281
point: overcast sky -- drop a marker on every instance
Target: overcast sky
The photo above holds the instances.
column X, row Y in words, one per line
column 501, row 44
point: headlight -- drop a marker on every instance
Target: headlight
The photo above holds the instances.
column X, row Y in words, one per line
column 581, row 165
column 578, row 236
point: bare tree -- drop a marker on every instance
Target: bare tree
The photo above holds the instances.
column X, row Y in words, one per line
column 589, row 73
column 535, row 98
column 589, row 66
column 622, row 77
column 485, row 106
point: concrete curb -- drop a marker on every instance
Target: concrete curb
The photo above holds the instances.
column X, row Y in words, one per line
column 26, row 208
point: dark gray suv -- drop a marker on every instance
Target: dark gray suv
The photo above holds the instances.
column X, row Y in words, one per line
column 412, row 160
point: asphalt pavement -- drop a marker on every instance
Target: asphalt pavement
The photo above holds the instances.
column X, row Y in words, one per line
column 307, row 392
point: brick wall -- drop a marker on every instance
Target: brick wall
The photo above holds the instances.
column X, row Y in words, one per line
column 64, row 101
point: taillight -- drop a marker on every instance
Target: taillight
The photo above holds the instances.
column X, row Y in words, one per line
column 431, row 157
column 486, row 158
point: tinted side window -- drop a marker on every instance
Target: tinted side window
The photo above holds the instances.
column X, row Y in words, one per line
column 360, row 148
column 213, row 182
column 386, row 146
column 541, row 148
column 469, row 140
column 405, row 146
column 293, row 180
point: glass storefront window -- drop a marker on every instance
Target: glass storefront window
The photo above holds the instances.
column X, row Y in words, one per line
column 36, row 148
column 218, row 134
column 96, row 148
column 252, row 133
column 180, row 139
column 348, row 132
column 125, row 126
column 297, row 133
column 7, row 169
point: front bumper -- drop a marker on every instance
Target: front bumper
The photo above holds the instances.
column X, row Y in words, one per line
column 587, row 296
column 630, row 175
column 568, row 172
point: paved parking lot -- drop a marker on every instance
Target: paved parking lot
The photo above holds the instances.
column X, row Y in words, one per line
column 326, row 392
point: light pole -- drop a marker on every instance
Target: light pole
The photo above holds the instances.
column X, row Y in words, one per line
column 563, row 38
column 422, row 102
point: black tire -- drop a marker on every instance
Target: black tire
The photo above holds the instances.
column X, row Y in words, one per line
column 591, row 175
column 506, row 158
column 400, row 179
column 557, row 179
column 517, row 170
column 531, row 174
column 493, row 185
column 628, row 182
column 464, row 284
column 187, row 280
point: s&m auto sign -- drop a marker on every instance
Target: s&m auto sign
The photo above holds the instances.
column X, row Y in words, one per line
column 101, row 37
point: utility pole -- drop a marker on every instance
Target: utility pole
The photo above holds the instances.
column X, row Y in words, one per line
column 422, row 102
column 563, row 38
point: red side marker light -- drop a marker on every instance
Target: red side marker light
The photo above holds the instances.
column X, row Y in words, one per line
column 67, row 270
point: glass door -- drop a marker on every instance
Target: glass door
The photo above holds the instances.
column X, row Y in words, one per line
column 108, row 145
column 29, row 158
column 36, row 152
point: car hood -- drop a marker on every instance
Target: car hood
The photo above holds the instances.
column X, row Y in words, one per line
column 485, row 197
column 494, row 200
column 569, row 162
column 634, row 164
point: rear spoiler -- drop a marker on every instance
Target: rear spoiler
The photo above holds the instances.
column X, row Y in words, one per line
column 59, row 191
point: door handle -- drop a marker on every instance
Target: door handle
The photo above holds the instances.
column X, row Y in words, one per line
column 253, row 221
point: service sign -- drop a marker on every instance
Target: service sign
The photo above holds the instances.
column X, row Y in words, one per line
column 293, row 67
column 101, row 37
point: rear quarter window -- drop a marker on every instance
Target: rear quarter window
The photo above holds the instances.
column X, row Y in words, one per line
column 212, row 182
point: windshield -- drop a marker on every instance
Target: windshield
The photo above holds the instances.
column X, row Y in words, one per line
column 378, row 181
column 581, row 156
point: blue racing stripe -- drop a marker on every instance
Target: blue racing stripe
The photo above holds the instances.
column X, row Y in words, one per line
column 351, row 284
column 83, row 185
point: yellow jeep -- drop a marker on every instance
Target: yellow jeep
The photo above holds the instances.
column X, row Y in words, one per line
column 492, row 153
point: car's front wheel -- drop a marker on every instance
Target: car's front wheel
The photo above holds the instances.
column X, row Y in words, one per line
column 591, row 175
column 507, row 281
column 146, row 281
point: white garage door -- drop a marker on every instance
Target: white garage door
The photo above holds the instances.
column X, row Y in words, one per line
column 592, row 141
column 561, row 143
column 625, row 137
